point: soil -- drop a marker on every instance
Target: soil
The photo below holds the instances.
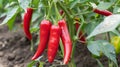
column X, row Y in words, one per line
column 15, row 51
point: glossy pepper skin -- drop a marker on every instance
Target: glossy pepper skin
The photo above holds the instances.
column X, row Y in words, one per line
column 45, row 26
column 53, row 43
column 66, row 40
column 26, row 22
column 82, row 38
column 102, row 12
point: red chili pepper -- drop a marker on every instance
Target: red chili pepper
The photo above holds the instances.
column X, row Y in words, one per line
column 61, row 12
column 82, row 38
column 26, row 23
column 66, row 40
column 53, row 43
column 45, row 26
column 102, row 12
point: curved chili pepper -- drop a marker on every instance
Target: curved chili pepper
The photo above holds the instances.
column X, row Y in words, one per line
column 26, row 23
column 44, row 37
column 66, row 40
column 102, row 12
column 82, row 38
column 53, row 43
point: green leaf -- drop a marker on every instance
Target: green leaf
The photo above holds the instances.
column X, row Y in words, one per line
column 24, row 3
column 104, row 5
column 41, row 64
column 35, row 3
column 8, row 5
column 93, row 5
column 99, row 63
column 1, row 3
column 35, row 16
column 74, row 3
column 10, row 16
column 109, row 24
column 31, row 64
column 109, row 51
column 116, row 10
column 11, row 22
column 3, row 15
column 34, row 29
column 96, row 47
column 89, row 27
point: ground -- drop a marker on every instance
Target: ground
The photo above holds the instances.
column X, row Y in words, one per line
column 15, row 51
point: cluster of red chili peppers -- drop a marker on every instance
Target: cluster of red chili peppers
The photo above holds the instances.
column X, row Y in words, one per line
column 51, row 34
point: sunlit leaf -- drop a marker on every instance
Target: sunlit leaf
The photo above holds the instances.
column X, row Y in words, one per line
column 11, row 22
column 10, row 15
column 104, row 5
column 24, row 3
column 109, row 51
column 96, row 47
column 116, row 10
column 36, row 3
column 9, row 5
column 93, row 5
column 109, row 24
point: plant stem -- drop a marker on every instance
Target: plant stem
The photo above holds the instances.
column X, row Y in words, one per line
column 67, row 13
column 99, row 63
column 61, row 46
column 49, row 10
column 82, row 22
column 110, row 63
column 117, row 2
column 108, row 36
column 72, row 63
column 57, row 12
column 31, row 48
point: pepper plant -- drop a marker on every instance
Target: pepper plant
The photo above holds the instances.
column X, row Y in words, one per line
column 85, row 20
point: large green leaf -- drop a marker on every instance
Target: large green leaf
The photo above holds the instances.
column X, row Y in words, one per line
column 96, row 47
column 10, row 16
column 109, row 51
column 109, row 24
column 116, row 10
column 24, row 3
column 35, row 3
column 89, row 27
column 8, row 5
column 11, row 22
column 104, row 5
